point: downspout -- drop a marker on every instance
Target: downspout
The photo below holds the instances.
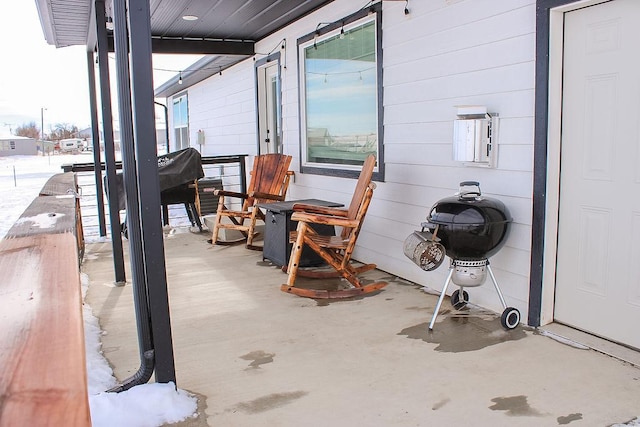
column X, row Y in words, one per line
column 140, row 288
column 146, row 151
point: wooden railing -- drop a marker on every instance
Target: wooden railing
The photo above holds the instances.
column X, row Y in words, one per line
column 43, row 379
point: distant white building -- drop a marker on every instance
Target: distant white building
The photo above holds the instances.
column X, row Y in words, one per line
column 18, row 145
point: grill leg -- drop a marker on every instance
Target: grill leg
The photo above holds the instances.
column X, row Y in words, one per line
column 192, row 213
column 495, row 283
column 165, row 215
column 442, row 294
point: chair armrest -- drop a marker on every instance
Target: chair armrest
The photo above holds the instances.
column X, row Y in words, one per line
column 324, row 219
column 218, row 192
column 258, row 195
column 323, row 210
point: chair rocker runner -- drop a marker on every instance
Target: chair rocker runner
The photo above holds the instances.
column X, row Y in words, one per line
column 269, row 183
column 335, row 250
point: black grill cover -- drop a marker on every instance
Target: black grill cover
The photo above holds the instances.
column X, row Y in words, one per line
column 179, row 167
column 174, row 170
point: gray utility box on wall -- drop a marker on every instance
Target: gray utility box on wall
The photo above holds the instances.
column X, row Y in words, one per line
column 278, row 225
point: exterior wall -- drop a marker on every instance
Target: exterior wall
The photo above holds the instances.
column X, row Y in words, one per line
column 24, row 146
column 444, row 53
column 224, row 107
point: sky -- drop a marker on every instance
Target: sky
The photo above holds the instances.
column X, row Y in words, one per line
column 41, row 83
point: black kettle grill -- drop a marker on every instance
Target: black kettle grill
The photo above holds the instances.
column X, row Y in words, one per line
column 470, row 228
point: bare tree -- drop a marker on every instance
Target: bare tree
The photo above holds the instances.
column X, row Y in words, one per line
column 30, row 130
column 63, row 131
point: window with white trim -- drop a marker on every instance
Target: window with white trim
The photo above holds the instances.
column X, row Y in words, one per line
column 341, row 96
column 181, row 122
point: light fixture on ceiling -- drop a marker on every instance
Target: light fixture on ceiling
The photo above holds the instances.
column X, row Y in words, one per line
column 190, row 17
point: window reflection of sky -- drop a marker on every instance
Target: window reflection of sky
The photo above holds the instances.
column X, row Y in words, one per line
column 341, row 96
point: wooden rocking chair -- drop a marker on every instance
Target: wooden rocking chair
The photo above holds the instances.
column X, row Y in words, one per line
column 269, row 183
column 335, row 250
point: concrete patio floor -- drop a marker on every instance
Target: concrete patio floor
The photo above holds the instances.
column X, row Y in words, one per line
column 256, row 356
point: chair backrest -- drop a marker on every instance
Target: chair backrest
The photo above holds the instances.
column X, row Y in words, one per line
column 362, row 193
column 269, row 175
column 363, row 182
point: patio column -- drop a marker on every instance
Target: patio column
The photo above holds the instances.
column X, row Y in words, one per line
column 109, row 150
column 95, row 141
column 144, row 134
column 139, row 284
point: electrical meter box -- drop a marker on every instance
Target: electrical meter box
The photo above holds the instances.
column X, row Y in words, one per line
column 475, row 137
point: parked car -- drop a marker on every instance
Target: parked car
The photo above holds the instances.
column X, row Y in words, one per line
column 71, row 144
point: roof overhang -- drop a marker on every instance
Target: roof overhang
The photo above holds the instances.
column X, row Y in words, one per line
column 65, row 22
column 221, row 24
column 226, row 30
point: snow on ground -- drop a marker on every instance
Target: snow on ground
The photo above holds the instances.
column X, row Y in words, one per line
column 147, row 405
column 22, row 178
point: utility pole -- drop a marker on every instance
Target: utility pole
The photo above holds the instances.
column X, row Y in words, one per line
column 42, row 123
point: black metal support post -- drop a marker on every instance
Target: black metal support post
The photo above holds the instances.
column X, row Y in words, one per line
column 144, row 133
column 95, row 141
column 109, row 149
column 140, row 289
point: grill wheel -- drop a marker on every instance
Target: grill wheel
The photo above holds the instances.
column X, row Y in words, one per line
column 510, row 318
column 457, row 302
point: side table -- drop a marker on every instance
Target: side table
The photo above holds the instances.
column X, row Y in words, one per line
column 278, row 225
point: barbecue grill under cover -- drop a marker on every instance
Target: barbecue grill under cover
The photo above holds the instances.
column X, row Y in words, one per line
column 175, row 169
column 179, row 167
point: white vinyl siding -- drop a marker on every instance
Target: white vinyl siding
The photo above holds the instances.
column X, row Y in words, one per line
column 443, row 54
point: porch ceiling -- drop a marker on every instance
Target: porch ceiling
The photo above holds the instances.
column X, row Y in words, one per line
column 225, row 31
column 69, row 22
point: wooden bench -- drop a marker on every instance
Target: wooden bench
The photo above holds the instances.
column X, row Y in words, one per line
column 43, row 377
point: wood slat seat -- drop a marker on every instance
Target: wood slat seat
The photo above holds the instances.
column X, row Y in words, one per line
column 334, row 242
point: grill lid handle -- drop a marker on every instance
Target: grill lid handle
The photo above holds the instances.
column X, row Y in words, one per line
column 466, row 194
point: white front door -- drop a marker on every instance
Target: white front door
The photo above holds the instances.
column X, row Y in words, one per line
column 598, row 248
column 270, row 134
